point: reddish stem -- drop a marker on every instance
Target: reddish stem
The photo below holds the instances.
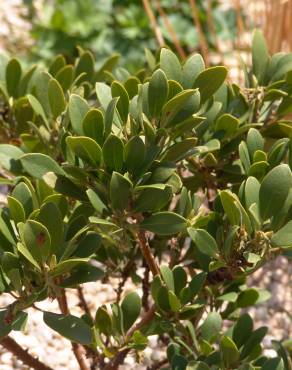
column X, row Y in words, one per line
column 22, row 354
column 77, row 349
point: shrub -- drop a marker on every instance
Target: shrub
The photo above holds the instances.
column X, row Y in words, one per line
column 123, row 26
column 174, row 173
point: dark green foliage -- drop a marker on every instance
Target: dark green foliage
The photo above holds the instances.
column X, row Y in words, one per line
column 173, row 173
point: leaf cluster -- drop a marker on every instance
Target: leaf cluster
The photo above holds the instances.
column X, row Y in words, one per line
column 173, row 171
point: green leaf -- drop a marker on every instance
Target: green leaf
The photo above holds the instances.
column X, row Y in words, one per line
column 174, row 88
column 37, row 240
column 70, row 327
column 251, row 191
column 274, row 190
column 131, row 85
column 204, row 241
column 60, row 201
column 164, row 223
column 283, row 237
column 247, row 298
column 209, row 81
column 258, row 169
column 180, row 150
column 85, row 64
column 50, row 216
column 95, row 200
column 78, row 108
column 26, row 253
column 177, row 103
column 211, row 326
column 162, row 299
column 109, row 116
column 93, row 125
column 108, row 65
column 16, row 210
column 244, row 156
column 254, row 339
column 67, row 266
column 9, row 157
column 26, row 80
column 228, row 297
column 56, row 98
column 65, row 77
column 38, row 108
column 254, row 141
column 259, row 156
column 174, row 302
column 37, row 165
column 18, row 321
column 227, row 123
column 153, row 199
column 6, row 227
column 112, row 151
column 274, row 364
column 119, row 91
column 167, row 276
column 103, row 93
column 103, row 321
column 58, row 63
column 120, row 191
column 10, row 262
column 192, row 67
column 260, row 55
column 179, row 278
column 178, row 362
column 134, row 154
column 157, row 93
column 88, row 245
column 197, row 283
column 22, row 193
column 242, row 329
column 40, row 90
column 82, row 273
column 85, row 148
column 234, row 210
column 197, row 365
column 13, row 76
column 138, row 341
column 230, row 352
column 170, row 65
column 131, row 307
column 65, row 186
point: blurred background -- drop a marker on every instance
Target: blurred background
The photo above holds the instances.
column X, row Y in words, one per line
column 218, row 29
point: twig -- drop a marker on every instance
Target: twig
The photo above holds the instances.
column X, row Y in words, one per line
column 145, row 287
column 170, row 29
column 211, row 26
column 12, row 346
column 125, row 274
column 77, row 350
column 154, row 23
column 148, row 316
column 146, row 251
column 202, row 39
column 119, row 358
column 83, row 303
column 239, row 21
